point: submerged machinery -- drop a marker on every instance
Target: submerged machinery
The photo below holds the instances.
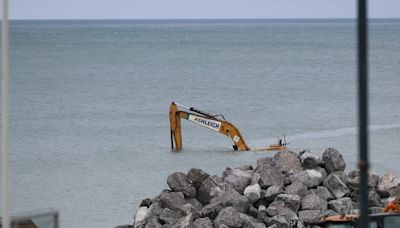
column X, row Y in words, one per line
column 216, row 123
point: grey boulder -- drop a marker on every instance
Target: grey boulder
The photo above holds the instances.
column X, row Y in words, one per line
column 309, row 177
column 341, row 174
column 234, row 199
column 262, row 212
column 266, row 161
column 172, row 200
column 297, row 188
column 245, row 167
column 313, row 202
column 179, row 182
column 309, row 160
column 387, row 182
column 228, row 216
column 140, row 217
column 269, row 175
column 209, row 185
column 291, row 201
column 197, row 176
column 341, row 206
column 155, row 210
column 238, row 179
column 279, row 208
column 310, row 217
column 279, row 220
column 333, row 160
column 212, row 210
column 190, row 209
column 394, row 191
column 185, row 222
column 248, row 219
column 323, row 193
column 169, row 216
column 194, row 202
column 336, row 186
column 203, row 223
column 146, row 203
column 252, row 192
column 272, row 192
column 353, row 179
column 252, row 211
column 288, row 161
column 374, row 200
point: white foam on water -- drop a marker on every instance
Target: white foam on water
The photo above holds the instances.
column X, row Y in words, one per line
column 324, row 134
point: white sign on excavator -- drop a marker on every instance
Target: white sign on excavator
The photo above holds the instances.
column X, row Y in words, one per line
column 212, row 124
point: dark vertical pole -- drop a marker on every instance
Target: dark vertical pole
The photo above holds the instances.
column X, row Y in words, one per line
column 363, row 109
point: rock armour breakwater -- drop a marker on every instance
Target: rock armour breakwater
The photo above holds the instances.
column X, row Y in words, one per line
column 288, row 187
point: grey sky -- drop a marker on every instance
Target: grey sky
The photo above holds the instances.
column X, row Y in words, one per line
column 158, row 9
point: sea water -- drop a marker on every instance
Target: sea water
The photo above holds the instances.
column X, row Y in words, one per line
column 89, row 102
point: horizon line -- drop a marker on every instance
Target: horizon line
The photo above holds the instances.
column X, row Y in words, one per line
column 244, row 18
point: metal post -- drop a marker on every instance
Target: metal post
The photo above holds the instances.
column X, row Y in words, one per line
column 363, row 109
column 4, row 93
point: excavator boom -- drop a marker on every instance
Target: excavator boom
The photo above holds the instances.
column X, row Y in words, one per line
column 206, row 120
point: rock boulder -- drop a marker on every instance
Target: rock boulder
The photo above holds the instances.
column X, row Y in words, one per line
column 209, row 185
column 252, row 192
column 228, row 216
column 270, row 176
column 197, row 176
column 310, row 178
column 309, row 160
column 203, row 223
column 297, row 188
column 238, row 179
column 341, row 206
column 179, row 182
column 336, row 186
column 288, row 161
column 272, row 192
column 313, row 202
column 333, row 160
column 387, row 182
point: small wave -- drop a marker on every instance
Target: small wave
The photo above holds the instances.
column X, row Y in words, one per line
column 324, row 133
column 383, row 127
column 328, row 133
column 340, row 132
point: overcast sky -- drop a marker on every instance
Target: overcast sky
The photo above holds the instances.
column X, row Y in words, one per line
column 170, row 9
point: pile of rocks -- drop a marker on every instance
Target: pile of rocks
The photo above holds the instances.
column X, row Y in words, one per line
column 297, row 189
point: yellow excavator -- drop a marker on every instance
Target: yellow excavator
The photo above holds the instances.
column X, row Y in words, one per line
column 216, row 123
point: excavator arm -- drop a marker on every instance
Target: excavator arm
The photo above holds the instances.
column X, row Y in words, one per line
column 206, row 120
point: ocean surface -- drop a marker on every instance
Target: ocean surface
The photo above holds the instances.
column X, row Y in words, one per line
column 89, row 102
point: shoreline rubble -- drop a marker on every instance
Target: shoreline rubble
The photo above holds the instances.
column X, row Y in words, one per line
column 288, row 187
